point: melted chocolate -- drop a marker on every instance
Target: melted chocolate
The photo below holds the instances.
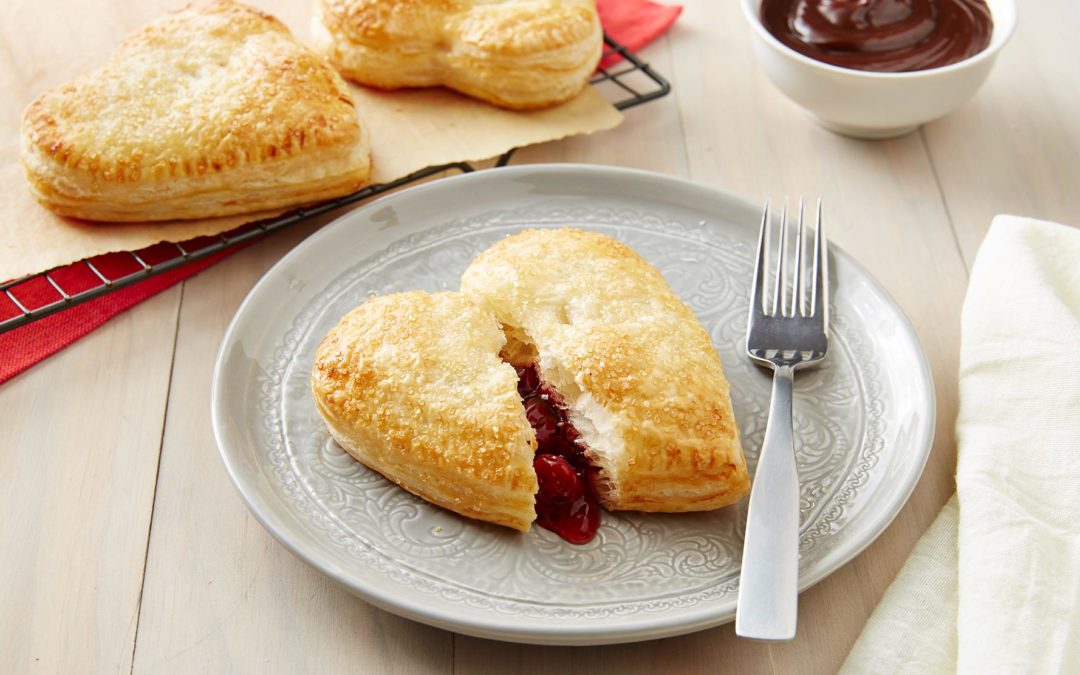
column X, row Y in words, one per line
column 881, row 35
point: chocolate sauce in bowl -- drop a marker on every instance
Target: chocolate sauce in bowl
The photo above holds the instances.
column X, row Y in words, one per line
column 881, row 35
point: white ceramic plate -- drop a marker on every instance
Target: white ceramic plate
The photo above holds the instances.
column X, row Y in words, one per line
column 864, row 420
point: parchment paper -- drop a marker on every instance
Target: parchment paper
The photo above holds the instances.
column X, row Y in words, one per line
column 47, row 43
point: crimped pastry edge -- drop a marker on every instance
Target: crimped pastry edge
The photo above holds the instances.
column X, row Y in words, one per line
column 401, row 477
column 341, row 177
column 518, row 89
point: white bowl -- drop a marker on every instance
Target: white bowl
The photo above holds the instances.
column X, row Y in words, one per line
column 868, row 104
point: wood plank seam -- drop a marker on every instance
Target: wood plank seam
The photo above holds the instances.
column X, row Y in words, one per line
column 944, row 201
column 157, row 475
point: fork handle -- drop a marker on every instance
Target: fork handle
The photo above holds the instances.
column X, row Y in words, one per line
column 769, row 580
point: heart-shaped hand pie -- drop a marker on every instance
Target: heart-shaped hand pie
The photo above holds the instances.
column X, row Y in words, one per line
column 513, row 53
column 212, row 110
column 618, row 390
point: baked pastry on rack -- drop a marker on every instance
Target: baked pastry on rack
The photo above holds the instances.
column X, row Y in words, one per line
column 209, row 111
column 513, row 53
column 601, row 388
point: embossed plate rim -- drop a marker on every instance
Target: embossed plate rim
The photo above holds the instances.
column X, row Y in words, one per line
column 298, row 537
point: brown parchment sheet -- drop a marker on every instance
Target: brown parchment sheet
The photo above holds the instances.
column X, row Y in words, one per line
column 46, row 43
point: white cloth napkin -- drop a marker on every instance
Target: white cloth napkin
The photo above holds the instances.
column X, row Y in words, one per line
column 994, row 584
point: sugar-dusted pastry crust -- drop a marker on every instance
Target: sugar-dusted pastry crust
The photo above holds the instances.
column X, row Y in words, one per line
column 639, row 375
column 212, row 110
column 411, row 385
column 513, row 53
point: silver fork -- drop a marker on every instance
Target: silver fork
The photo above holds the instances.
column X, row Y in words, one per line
column 791, row 333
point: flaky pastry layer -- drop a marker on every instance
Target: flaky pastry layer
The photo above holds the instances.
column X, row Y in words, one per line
column 639, row 374
column 212, row 110
column 513, row 53
column 412, row 386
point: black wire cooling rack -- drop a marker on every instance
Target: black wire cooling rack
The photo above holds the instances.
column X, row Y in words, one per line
column 628, row 83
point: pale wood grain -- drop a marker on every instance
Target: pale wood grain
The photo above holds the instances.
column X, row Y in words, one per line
column 1015, row 148
column 81, row 435
column 220, row 593
column 650, row 136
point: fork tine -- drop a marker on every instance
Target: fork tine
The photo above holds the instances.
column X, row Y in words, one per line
column 779, row 307
column 798, row 293
column 757, row 299
column 819, row 304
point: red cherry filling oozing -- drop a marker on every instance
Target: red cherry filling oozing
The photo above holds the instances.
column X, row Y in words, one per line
column 566, row 502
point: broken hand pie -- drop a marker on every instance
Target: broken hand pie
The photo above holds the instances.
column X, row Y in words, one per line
column 512, row 53
column 212, row 110
column 565, row 375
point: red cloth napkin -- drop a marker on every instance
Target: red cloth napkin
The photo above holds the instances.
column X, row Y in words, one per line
column 633, row 23
column 22, row 347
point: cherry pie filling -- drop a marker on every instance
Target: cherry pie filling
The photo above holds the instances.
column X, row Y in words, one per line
column 566, row 502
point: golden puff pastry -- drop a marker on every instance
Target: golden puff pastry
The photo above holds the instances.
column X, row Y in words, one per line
column 412, row 385
column 638, row 374
column 212, row 110
column 514, row 53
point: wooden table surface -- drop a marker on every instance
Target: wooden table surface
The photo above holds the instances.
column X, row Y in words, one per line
column 124, row 547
